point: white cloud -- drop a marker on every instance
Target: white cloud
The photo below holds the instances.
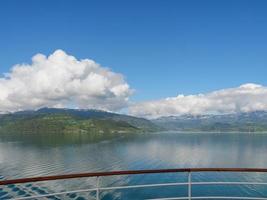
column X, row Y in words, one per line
column 60, row 80
column 246, row 98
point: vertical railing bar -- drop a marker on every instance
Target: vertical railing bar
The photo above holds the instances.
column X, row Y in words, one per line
column 97, row 188
column 189, row 186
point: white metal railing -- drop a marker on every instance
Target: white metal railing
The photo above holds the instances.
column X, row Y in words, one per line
column 189, row 183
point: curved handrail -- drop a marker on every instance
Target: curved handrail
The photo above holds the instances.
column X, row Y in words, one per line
column 129, row 172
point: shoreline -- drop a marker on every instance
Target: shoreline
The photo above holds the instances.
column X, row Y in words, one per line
column 215, row 132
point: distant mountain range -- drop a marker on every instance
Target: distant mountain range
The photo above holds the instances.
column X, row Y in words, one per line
column 100, row 123
column 241, row 122
column 52, row 120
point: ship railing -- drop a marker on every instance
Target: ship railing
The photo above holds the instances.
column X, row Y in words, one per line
column 188, row 183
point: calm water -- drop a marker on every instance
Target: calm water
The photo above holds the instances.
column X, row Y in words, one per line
column 47, row 155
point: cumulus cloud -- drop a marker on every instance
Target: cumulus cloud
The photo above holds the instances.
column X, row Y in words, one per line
column 245, row 98
column 60, row 80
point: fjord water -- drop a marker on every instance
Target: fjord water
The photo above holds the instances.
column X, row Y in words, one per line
column 27, row 156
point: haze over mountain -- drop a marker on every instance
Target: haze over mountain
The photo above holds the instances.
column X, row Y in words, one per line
column 240, row 122
column 245, row 98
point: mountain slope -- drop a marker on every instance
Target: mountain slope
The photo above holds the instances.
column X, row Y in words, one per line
column 50, row 120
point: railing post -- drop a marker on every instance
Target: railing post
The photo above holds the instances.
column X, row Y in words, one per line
column 189, row 185
column 97, row 188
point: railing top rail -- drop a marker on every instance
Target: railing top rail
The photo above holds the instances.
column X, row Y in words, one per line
column 129, row 172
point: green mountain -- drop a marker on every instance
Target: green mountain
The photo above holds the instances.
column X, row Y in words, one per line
column 240, row 122
column 55, row 121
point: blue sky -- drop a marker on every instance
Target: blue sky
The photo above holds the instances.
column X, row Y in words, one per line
column 163, row 48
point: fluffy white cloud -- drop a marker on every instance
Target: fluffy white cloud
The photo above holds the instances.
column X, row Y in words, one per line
column 60, row 80
column 246, row 98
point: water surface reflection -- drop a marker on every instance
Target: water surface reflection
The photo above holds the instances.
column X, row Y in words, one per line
column 47, row 155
